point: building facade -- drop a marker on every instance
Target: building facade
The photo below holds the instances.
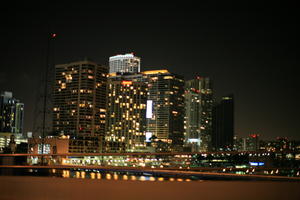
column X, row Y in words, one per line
column 223, row 124
column 49, row 145
column 79, row 98
column 126, row 110
column 250, row 143
column 127, row 63
column 198, row 115
column 11, row 114
column 165, row 109
column 162, row 101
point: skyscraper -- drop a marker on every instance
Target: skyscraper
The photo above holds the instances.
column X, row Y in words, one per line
column 165, row 108
column 11, row 114
column 126, row 110
column 163, row 103
column 127, row 63
column 79, row 98
column 17, row 125
column 223, row 124
column 198, row 115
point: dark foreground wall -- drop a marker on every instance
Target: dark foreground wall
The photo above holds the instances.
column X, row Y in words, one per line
column 59, row 188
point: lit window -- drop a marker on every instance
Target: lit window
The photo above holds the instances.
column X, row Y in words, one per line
column 63, row 86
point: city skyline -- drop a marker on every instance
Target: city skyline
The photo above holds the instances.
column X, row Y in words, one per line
column 213, row 44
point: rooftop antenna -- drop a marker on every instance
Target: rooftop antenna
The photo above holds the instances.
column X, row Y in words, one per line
column 42, row 104
column 49, row 38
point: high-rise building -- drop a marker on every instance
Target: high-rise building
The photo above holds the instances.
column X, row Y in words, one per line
column 223, row 124
column 126, row 110
column 17, row 125
column 165, row 109
column 79, row 99
column 11, row 114
column 127, row 63
column 250, row 143
column 198, row 115
column 6, row 104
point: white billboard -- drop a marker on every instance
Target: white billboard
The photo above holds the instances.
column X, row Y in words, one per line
column 148, row 136
column 149, row 109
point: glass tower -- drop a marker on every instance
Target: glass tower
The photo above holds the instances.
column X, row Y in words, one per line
column 165, row 109
column 198, row 118
column 127, row 63
column 223, row 124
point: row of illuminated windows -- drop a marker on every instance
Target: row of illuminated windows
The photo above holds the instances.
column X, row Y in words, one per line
column 127, row 105
column 83, row 105
column 122, row 128
column 132, row 94
column 131, row 118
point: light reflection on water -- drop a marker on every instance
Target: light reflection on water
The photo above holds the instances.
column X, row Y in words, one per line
column 125, row 177
column 108, row 176
column 93, row 175
column 66, row 174
column 116, row 177
column 142, row 178
column 82, row 174
column 98, row 176
column 77, row 174
column 113, row 176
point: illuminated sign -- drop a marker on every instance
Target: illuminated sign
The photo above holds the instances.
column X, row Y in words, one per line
column 126, row 82
column 257, row 163
column 148, row 136
column 194, row 140
column 149, row 109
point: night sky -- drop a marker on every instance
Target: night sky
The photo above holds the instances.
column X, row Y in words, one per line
column 247, row 49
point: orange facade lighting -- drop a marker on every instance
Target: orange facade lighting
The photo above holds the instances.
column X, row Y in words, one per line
column 163, row 71
column 126, row 82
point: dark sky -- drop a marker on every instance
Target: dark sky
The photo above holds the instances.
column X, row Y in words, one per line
column 248, row 49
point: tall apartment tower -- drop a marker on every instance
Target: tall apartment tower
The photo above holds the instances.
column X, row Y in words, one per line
column 198, row 115
column 165, row 108
column 79, row 99
column 18, row 123
column 126, row 111
column 223, row 124
column 127, row 63
column 11, row 114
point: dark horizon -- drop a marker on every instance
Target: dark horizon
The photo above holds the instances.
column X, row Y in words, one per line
column 248, row 50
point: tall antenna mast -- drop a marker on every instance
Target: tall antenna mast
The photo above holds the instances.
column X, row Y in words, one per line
column 53, row 35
